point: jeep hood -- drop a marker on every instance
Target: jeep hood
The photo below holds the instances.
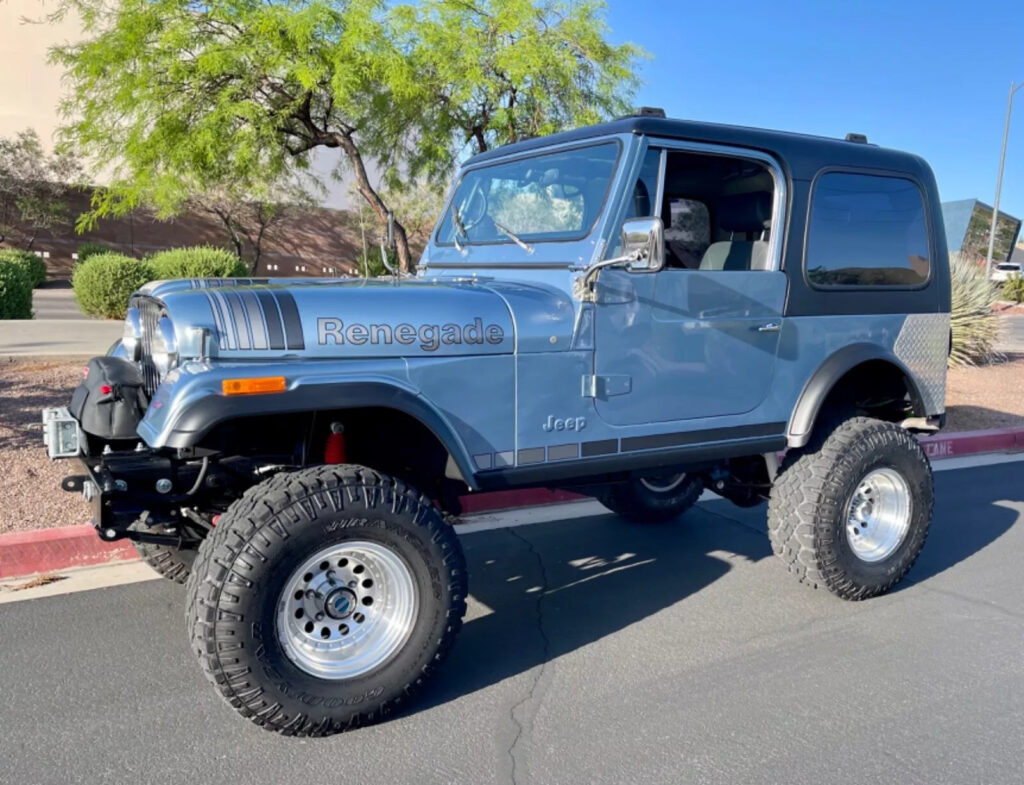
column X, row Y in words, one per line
column 367, row 318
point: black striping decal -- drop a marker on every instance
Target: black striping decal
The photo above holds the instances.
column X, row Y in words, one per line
column 228, row 322
column 659, row 440
column 217, row 323
column 275, row 330
column 257, row 323
column 531, row 455
column 603, row 447
column 241, row 327
column 292, row 323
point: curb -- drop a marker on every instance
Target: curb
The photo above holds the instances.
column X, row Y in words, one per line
column 48, row 550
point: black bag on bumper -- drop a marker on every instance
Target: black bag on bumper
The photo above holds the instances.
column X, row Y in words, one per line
column 111, row 400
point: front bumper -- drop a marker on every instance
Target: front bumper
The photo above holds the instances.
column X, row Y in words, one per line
column 114, row 484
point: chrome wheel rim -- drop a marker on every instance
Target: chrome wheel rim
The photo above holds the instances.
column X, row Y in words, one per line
column 664, row 484
column 878, row 516
column 347, row 609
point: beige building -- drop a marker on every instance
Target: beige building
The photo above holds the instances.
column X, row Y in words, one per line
column 319, row 242
column 30, row 88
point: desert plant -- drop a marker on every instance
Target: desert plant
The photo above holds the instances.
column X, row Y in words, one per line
column 200, row 261
column 15, row 290
column 1013, row 289
column 34, row 266
column 85, row 250
column 103, row 283
column 973, row 325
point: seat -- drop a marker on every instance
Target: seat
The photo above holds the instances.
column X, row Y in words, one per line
column 673, row 259
column 748, row 214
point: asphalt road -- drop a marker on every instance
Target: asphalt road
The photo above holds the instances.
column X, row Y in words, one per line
column 595, row 652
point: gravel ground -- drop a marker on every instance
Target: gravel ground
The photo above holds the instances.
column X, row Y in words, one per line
column 985, row 397
column 32, row 498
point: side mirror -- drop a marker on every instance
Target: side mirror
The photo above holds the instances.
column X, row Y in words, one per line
column 644, row 238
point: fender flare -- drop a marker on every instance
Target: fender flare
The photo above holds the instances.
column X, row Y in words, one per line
column 212, row 410
column 825, row 378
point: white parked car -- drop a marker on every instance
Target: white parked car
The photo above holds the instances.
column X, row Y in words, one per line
column 1003, row 270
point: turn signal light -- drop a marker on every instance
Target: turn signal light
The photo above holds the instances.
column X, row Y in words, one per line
column 261, row 384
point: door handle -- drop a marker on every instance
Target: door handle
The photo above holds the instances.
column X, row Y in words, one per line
column 770, row 327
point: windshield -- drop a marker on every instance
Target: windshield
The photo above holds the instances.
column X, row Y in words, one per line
column 549, row 197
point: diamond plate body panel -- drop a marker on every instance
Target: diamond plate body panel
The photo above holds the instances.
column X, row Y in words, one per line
column 923, row 345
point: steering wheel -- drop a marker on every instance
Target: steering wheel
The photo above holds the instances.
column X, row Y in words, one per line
column 474, row 210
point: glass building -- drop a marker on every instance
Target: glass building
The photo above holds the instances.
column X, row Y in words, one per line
column 967, row 227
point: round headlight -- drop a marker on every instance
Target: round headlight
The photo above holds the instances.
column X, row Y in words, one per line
column 132, row 336
column 165, row 346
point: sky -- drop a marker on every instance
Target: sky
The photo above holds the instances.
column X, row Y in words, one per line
column 928, row 77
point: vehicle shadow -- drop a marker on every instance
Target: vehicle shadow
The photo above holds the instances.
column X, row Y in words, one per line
column 549, row 590
column 552, row 589
column 969, row 516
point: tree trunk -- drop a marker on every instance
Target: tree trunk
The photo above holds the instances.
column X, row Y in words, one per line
column 226, row 219
column 355, row 158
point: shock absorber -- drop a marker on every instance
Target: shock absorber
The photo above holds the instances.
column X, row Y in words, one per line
column 334, row 450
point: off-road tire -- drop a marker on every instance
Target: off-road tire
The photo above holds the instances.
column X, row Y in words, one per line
column 244, row 564
column 174, row 564
column 634, row 501
column 811, row 497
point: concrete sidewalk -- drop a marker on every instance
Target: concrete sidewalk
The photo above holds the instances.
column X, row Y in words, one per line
column 58, row 329
column 1011, row 338
column 57, row 337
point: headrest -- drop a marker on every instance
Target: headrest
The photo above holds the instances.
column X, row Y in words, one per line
column 745, row 212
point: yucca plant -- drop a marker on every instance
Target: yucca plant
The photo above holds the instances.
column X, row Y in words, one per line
column 974, row 326
column 1013, row 289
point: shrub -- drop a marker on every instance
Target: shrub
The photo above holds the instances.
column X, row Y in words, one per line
column 15, row 290
column 1013, row 289
column 104, row 282
column 974, row 326
column 200, row 261
column 34, row 266
column 85, row 250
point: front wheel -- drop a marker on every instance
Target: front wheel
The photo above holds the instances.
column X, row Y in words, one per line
column 653, row 499
column 168, row 561
column 850, row 511
column 324, row 598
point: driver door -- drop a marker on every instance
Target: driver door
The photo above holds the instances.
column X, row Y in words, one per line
column 691, row 342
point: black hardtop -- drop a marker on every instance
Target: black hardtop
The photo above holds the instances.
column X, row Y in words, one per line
column 803, row 155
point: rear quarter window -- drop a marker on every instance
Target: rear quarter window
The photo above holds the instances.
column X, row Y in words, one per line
column 866, row 230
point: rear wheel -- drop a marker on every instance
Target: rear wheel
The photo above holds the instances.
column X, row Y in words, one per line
column 324, row 598
column 850, row 511
column 653, row 499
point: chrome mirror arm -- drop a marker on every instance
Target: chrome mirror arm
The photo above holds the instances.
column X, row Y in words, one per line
column 585, row 285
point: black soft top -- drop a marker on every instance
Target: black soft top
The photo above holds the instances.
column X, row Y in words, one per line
column 802, row 154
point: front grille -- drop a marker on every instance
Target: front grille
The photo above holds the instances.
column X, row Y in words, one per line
column 149, row 315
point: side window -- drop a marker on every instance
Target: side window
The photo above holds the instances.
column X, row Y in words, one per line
column 645, row 189
column 866, row 230
column 687, row 232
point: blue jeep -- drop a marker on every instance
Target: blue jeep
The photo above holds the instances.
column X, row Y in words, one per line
column 636, row 311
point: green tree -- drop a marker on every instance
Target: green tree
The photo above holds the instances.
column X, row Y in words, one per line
column 33, row 188
column 175, row 98
column 249, row 218
column 492, row 72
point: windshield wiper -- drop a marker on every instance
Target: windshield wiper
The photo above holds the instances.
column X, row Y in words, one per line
column 508, row 233
column 460, row 228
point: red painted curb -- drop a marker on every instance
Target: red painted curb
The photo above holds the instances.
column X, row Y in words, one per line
column 970, row 442
column 47, row 550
